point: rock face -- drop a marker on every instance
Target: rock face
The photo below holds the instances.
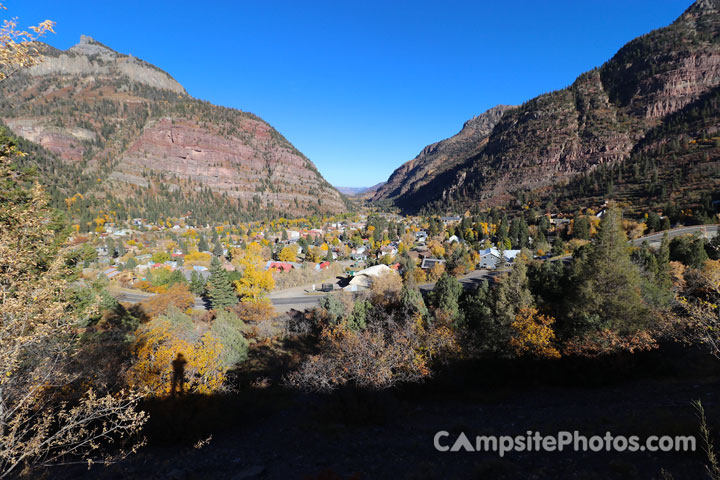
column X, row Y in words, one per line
column 598, row 120
column 93, row 58
column 440, row 157
column 151, row 148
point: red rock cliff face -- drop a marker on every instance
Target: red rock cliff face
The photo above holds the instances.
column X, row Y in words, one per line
column 147, row 144
column 440, row 157
column 181, row 149
column 597, row 120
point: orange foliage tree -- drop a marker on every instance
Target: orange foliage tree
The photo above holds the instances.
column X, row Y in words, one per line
column 178, row 295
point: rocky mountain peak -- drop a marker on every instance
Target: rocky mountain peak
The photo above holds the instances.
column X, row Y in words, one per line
column 88, row 46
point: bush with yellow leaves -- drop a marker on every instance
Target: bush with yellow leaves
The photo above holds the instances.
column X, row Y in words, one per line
column 533, row 334
column 160, row 341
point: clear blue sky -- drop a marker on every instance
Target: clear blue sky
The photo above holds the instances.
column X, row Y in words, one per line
column 360, row 87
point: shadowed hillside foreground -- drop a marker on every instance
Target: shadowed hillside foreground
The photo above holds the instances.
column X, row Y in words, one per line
column 275, row 433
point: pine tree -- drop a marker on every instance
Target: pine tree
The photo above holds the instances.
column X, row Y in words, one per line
column 445, row 296
column 203, row 245
column 197, row 283
column 219, row 288
column 609, row 284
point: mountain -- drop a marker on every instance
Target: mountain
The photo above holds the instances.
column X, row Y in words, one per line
column 356, row 191
column 127, row 138
column 603, row 119
column 438, row 158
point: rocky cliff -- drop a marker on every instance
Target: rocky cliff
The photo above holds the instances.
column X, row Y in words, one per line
column 598, row 120
column 154, row 150
column 440, row 157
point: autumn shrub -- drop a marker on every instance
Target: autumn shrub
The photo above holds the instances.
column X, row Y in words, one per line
column 49, row 413
column 177, row 295
column 158, row 343
column 254, row 312
column 385, row 288
column 533, row 334
column 386, row 352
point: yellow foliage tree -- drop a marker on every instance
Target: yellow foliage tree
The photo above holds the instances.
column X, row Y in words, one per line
column 533, row 334
column 158, row 344
column 436, row 249
column 255, row 282
column 288, row 254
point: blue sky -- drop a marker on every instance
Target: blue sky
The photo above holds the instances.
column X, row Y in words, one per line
column 360, row 87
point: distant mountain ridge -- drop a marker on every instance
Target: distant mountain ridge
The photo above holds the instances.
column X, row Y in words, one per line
column 599, row 120
column 132, row 141
column 355, row 191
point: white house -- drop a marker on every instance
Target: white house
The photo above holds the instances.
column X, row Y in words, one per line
column 364, row 278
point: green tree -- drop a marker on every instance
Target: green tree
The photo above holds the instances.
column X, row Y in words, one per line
column 688, row 249
column 411, row 302
column 197, row 283
column 203, row 244
column 510, row 295
column 581, row 227
column 608, row 284
column 227, row 328
column 445, row 297
column 131, row 263
column 219, row 288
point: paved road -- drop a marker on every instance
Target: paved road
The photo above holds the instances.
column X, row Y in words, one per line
column 281, row 304
column 468, row 280
column 708, row 231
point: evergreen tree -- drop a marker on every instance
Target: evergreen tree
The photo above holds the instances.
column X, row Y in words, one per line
column 131, row 263
column 219, row 288
column 581, row 227
column 411, row 302
column 197, row 283
column 512, row 293
column 445, row 296
column 608, row 283
column 203, row 245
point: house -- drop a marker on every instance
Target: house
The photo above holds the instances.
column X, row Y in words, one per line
column 453, row 239
column 110, row 272
column 364, row 278
column 388, row 250
column 449, row 220
column 489, row 258
column 278, row 266
column 492, row 257
column 509, row 255
column 322, row 266
column 429, row 263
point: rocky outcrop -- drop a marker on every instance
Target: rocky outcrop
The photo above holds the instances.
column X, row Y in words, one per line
column 150, row 147
column 92, row 58
column 440, row 157
column 598, row 120
column 182, row 150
